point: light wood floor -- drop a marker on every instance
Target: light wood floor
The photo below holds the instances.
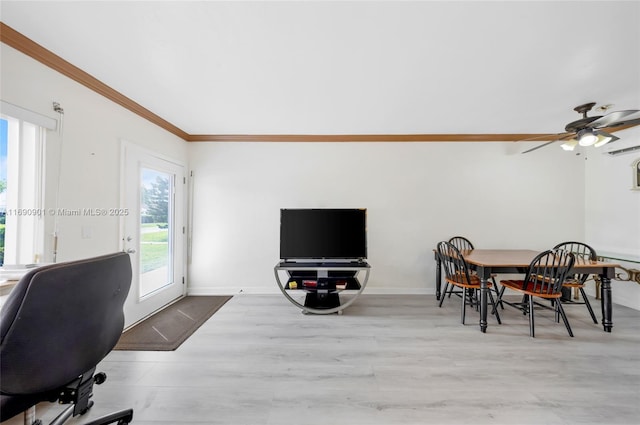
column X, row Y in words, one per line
column 390, row 359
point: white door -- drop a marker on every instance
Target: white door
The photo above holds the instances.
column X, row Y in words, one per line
column 153, row 231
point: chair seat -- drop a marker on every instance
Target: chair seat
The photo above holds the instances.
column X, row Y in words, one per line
column 475, row 279
column 531, row 288
column 462, row 282
column 573, row 284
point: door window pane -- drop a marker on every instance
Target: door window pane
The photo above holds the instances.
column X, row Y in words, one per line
column 156, row 230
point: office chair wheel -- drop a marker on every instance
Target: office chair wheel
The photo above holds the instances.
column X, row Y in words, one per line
column 99, row 378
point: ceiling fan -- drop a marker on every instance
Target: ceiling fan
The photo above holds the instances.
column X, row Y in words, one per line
column 589, row 131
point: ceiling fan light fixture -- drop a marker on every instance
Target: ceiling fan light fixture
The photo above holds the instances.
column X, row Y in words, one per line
column 604, row 138
column 586, row 137
column 588, row 130
column 569, row 145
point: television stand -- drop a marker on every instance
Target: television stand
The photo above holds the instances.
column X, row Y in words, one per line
column 322, row 282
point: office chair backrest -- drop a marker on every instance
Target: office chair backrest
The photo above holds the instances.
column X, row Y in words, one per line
column 60, row 321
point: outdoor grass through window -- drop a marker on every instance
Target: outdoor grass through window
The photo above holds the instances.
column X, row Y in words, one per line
column 154, row 246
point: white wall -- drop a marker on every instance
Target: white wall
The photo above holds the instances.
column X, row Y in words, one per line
column 416, row 195
column 92, row 130
column 612, row 212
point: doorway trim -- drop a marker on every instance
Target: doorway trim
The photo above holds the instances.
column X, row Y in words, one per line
column 128, row 148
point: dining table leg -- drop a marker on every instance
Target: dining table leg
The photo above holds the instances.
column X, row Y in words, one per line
column 438, row 277
column 483, row 300
column 605, row 295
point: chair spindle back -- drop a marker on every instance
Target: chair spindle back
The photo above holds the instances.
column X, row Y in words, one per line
column 583, row 253
column 548, row 270
column 455, row 266
column 462, row 243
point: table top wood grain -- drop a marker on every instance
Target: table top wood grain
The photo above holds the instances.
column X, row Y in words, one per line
column 518, row 258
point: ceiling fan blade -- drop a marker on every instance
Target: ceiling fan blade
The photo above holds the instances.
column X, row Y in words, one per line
column 559, row 137
column 616, row 119
column 550, row 137
column 540, row 146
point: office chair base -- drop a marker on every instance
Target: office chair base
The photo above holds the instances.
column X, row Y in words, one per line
column 123, row 417
column 77, row 395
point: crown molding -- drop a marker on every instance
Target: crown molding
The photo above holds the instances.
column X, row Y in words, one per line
column 14, row 39
column 366, row 137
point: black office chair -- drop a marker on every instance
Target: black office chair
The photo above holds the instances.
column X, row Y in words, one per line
column 458, row 274
column 543, row 279
column 56, row 325
column 583, row 253
column 463, row 244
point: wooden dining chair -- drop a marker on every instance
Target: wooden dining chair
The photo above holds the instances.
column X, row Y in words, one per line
column 544, row 278
column 458, row 274
column 584, row 254
column 463, row 244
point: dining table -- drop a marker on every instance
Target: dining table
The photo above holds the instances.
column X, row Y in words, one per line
column 488, row 262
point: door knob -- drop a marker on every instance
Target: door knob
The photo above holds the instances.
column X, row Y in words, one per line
column 131, row 251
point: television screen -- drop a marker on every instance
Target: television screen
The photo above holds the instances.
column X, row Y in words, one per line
column 323, row 233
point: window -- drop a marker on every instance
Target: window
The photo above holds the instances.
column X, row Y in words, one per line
column 3, row 184
column 22, row 191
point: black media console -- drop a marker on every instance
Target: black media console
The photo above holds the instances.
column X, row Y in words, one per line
column 322, row 283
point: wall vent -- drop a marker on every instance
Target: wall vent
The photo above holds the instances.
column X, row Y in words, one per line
column 624, row 150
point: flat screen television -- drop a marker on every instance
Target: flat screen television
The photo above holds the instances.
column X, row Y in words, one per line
column 323, row 234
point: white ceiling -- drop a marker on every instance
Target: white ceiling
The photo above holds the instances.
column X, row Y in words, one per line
column 319, row 67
